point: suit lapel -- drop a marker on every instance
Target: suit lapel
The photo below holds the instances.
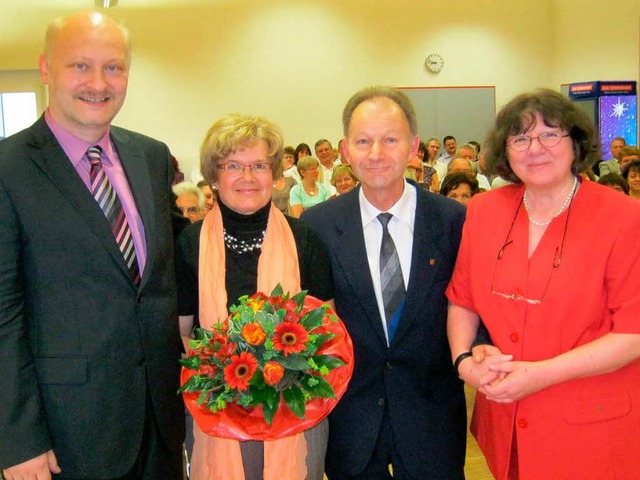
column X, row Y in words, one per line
column 354, row 262
column 425, row 261
column 135, row 167
column 54, row 164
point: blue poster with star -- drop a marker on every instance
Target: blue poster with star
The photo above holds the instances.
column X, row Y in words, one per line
column 618, row 118
column 614, row 107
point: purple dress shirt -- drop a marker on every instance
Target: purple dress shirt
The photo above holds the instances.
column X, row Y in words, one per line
column 76, row 150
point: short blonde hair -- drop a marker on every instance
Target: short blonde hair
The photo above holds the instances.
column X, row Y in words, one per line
column 628, row 151
column 342, row 170
column 234, row 132
column 305, row 162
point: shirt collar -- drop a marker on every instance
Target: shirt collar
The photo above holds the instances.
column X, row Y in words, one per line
column 74, row 147
column 403, row 209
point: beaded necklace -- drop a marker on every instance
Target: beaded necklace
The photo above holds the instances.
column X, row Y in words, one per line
column 243, row 246
column 562, row 208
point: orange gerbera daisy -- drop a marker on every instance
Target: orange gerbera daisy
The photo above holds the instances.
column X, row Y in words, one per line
column 290, row 338
column 238, row 373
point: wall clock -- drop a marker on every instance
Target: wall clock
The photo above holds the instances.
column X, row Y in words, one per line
column 434, row 62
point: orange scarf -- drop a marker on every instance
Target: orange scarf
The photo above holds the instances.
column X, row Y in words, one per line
column 216, row 458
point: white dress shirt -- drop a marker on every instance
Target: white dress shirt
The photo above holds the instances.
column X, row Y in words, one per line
column 401, row 231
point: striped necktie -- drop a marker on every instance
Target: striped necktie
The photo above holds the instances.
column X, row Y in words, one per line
column 391, row 279
column 109, row 202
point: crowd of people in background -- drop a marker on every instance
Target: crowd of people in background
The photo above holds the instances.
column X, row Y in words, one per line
column 456, row 172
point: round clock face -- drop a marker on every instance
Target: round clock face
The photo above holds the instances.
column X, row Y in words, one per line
column 434, row 63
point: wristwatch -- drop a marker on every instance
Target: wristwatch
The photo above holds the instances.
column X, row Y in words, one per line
column 459, row 359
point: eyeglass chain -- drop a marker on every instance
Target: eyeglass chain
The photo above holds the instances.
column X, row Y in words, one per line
column 562, row 208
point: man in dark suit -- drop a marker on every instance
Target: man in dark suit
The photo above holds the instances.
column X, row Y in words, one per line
column 393, row 247
column 89, row 339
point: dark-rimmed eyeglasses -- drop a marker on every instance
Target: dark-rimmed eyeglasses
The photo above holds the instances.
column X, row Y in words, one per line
column 546, row 139
column 557, row 260
column 237, row 168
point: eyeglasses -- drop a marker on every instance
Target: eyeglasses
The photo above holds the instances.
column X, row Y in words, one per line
column 557, row 260
column 236, row 168
column 546, row 139
column 419, row 170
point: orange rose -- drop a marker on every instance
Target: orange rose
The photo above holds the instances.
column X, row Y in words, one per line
column 273, row 373
column 253, row 333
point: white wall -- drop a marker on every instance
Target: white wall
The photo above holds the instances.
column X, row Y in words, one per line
column 297, row 61
column 596, row 40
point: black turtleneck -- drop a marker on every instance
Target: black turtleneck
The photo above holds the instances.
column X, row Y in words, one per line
column 241, row 277
column 244, row 227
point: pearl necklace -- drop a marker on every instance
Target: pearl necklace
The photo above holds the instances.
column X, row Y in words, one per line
column 562, row 208
column 243, row 246
column 312, row 192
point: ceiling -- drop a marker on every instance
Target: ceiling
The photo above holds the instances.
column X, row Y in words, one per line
column 122, row 4
column 84, row 4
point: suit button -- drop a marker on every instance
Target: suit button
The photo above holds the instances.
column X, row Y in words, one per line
column 388, row 366
column 140, row 361
column 522, row 423
column 515, row 338
column 381, row 402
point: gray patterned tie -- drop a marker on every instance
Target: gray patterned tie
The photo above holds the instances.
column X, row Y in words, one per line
column 391, row 279
column 109, row 202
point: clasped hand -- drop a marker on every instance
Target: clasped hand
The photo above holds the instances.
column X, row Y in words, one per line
column 500, row 379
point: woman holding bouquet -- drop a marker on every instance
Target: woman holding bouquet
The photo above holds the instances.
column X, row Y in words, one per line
column 245, row 245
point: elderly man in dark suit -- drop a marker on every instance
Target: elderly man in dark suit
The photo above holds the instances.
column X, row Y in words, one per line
column 89, row 339
column 393, row 247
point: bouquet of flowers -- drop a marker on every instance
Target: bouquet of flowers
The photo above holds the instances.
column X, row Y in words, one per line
column 276, row 366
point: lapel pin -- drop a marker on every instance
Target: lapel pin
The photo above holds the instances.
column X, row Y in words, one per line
column 432, row 261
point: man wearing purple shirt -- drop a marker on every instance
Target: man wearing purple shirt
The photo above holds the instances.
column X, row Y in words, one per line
column 88, row 350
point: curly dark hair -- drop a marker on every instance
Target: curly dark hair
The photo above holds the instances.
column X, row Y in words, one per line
column 615, row 179
column 632, row 167
column 519, row 115
column 454, row 180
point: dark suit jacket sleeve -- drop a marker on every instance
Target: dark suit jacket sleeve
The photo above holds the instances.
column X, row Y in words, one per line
column 187, row 246
column 178, row 221
column 21, row 412
column 314, row 261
